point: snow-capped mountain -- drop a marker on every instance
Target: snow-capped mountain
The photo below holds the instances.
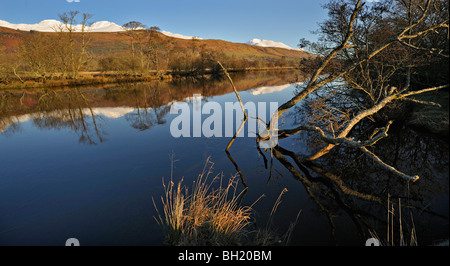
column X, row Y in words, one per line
column 179, row 36
column 45, row 25
column 51, row 25
column 269, row 43
column 105, row 26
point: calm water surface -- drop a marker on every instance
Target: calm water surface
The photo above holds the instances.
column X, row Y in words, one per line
column 86, row 163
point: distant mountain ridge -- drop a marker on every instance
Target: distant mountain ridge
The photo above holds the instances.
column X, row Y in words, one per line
column 52, row 25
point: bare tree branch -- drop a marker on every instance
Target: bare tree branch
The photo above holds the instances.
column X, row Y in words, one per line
column 388, row 167
column 431, row 51
column 369, row 112
column 235, row 90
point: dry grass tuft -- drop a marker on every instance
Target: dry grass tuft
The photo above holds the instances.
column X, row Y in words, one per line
column 205, row 215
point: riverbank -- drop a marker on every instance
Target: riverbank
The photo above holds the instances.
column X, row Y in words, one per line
column 103, row 78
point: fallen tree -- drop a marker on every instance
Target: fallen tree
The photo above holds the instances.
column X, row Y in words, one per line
column 372, row 50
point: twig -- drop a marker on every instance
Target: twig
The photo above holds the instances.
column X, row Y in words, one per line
column 423, row 102
column 388, row 167
column 234, row 88
column 431, row 51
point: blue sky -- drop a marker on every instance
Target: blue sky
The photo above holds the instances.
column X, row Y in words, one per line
column 233, row 20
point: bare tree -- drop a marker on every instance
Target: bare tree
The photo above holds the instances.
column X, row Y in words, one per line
column 84, row 43
column 151, row 51
column 144, row 46
column 35, row 51
column 66, row 37
column 134, row 30
column 75, row 55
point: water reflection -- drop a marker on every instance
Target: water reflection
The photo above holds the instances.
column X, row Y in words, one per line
column 144, row 105
column 344, row 184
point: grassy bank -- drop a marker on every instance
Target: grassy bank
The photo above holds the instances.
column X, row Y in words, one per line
column 83, row 80
column 102, row 78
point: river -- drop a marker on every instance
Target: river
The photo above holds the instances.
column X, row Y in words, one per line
column 88, row 162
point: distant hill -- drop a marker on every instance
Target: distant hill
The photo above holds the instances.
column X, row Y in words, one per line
column 50, row 25
column 116, row 42
column 110, row 49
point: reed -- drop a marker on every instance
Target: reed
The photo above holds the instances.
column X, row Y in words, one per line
column 208, row 213
column 397, row 233
column 268, row 236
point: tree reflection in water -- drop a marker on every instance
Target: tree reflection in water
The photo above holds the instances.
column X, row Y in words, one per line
column 345, row 182
column 69, row 109
column 150, row 108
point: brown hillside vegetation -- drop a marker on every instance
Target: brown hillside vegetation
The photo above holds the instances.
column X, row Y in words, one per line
column 31, row 59
column 104, row 43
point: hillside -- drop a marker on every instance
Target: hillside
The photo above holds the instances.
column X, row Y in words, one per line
column 108, row 43
column 30, row 59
